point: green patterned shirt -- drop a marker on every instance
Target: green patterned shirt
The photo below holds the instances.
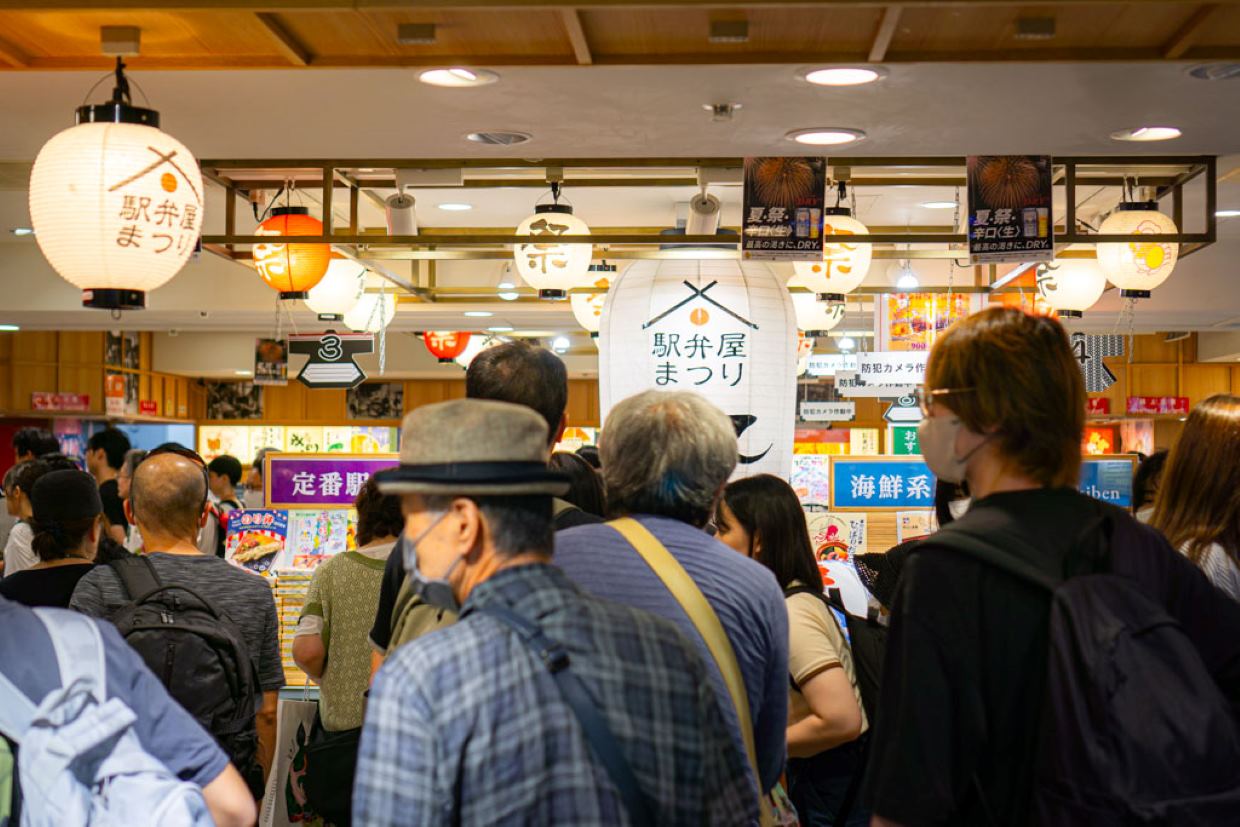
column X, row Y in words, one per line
column 340, row 606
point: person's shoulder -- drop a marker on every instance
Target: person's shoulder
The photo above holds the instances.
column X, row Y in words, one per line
column 426, row 659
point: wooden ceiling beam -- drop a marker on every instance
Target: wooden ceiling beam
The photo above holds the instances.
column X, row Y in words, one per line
column 886, row 31
column 1187, row 35
column 577, row 36
column 13, row 56
column 288, row 45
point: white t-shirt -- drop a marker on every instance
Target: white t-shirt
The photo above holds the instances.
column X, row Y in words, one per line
column 1221, row 569
column 18, row 555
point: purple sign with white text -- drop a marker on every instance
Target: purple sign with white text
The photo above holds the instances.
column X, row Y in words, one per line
column 320, row 480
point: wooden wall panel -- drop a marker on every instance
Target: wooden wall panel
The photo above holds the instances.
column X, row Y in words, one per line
column 420, row 392
column 1200, row 382
column 80, row 347
column 6, row 387
column 30, row 377
column 1156, row 349
column 326, row 404
column 1154, row 380
column 284, row 403
column 34, row 346
column 1166, row 432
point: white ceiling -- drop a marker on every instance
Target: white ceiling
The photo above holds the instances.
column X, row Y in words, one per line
column 636, row 111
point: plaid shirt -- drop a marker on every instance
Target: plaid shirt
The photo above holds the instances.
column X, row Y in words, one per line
column 466, row 726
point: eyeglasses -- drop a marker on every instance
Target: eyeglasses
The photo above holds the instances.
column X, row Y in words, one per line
column 192, row 456
column 926, row 398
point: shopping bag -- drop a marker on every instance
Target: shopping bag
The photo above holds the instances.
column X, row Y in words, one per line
column 284, row 802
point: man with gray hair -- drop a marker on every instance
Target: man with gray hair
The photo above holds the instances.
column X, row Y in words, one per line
column 541, row 704
column 666, row 458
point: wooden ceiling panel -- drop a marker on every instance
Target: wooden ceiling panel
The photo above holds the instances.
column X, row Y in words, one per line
column 795, row 32
column 342, row 36
column 1222, row 28
column 75, row 34
column 979, row 30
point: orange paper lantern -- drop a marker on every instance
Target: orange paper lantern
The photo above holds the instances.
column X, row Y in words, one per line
column 445, row 345
column 292, row 269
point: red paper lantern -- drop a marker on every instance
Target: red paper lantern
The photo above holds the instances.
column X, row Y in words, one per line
column 292, row 269
column 446, row 345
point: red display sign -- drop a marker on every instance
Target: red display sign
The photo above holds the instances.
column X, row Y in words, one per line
column 148, row 407
column 46, row 401
column 1157, row 405
column 1100, row 406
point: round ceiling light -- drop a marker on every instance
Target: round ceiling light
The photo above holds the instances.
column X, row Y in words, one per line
column 843, row 75
column 1215, row 71
column 1147, row 133
column 455, row 206
column 826, row 136
column 458, row 77
column 479, row 314
column 9, row 328
column 499, row 138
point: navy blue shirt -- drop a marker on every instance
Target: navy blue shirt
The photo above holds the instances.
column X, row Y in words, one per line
column 163, row 727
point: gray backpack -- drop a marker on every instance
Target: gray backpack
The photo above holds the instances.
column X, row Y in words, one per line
column 80, row 762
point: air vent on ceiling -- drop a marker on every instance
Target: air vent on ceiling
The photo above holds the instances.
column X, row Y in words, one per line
column 499, row 138
column 1216, row 71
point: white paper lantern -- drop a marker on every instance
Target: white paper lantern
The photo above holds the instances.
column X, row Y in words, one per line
column 338, row 291
column 1137, row 267
column 722, row 328
column 588, row 307
column 805, row 349
column 814, row 317
column 550, row 266
column 1071, row 286
column 844, row 265
column 476, row 345
column 116, row 207
column 372, row 313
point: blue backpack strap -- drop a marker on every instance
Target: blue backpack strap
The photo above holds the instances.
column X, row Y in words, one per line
column 79, row 649
column 16, row 711
column 597, row 732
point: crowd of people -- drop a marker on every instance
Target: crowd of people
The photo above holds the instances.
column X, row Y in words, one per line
column 625, row 636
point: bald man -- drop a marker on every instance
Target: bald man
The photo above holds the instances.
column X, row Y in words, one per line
column 168, row 503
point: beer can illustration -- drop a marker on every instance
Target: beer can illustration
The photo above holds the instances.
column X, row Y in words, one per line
column 1030, row 215
column 802, row 230
column 815, row 222
column 1044, row 220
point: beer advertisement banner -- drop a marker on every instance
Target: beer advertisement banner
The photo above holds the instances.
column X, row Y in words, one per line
column 1010, row 208
column 783, row 208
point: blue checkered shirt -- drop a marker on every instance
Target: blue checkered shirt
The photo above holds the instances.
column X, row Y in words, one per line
column 467, row 726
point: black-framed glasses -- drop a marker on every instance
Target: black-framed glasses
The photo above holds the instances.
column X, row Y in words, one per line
column 926, row 398
column 187, row 453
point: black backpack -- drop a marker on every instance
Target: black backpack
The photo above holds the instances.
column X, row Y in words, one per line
column 1134, row 728
column 868, row 640
column 200, row 656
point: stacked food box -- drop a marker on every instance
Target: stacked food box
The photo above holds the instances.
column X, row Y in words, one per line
column 290, row 587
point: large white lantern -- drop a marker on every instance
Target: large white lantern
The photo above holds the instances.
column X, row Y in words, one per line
column 1137, row 267
column 721, row 328
column 476, row 345
column 339, row 291
column 116, row 204
column 844, row 265
column 550, row 266
column 1071, row 286
column 815, row 318
column 588, row 307
column 372, row 313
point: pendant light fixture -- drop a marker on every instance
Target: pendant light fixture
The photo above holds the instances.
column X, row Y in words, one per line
column 552, row 267
column 815, row 318
column 446, row 345
column 338, row 291
column 588, row 307
column 844, row 265
column 373, row 311
column 116, row 205
column 292, row 269
column 1137, row 267
column 1071, row 286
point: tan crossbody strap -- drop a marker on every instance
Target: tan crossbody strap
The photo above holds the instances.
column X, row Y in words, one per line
column 691, row 599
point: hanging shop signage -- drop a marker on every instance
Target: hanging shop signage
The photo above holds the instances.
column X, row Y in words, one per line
column 270, row 361
column 905, row 441
column 319, row 480
column 1010, row 208
column 880, row 484
column 1109, row 480
column 720, row 328
column 1158, row 405
column 148, row 407
column 783, row 208
column 114, row 394
column 905, row 409
column 1090, row 351
column 883, row 374
column 45, row 401
column 826, row 364
column 331, row 355
column 1098, row 406
column 828, row 411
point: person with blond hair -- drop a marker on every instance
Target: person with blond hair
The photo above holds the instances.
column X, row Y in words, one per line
column 1198, row 503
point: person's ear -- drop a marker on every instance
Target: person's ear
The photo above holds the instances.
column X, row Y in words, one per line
column 205, row 515
column 559, row 434
column 127, row 504
column 96, row 528
column 468, row 528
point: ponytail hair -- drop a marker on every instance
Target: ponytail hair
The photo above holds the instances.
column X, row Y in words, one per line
column 56, row 540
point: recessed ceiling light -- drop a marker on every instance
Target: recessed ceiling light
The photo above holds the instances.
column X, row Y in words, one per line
column 9, row 328
column 243, row 372
column 458, row 77
column 825, row 136
column 938, row 205
column 1147, row 133
column 510, row 297
column 478, row 314
column 22, row 231
column 1227, row 213
column 843, row 76
column 499, row 138
column 455, row 206
column 561, row 343
column 846, row 343
column 500, row 329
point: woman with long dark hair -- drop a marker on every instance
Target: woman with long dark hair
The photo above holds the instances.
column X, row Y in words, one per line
column 1198, row 501
column 761, row 518
column 66, row 523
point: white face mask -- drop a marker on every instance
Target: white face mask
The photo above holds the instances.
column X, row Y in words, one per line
column 436, row 591
column 937, row 435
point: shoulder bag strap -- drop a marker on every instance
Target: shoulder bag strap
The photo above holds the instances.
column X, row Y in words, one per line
column 598, row 733
column 704, row 619
column 137, row 575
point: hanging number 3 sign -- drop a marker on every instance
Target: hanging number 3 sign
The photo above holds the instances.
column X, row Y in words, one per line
column 331, row 355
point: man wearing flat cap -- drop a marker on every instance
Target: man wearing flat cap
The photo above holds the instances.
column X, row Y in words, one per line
column 541, row 705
